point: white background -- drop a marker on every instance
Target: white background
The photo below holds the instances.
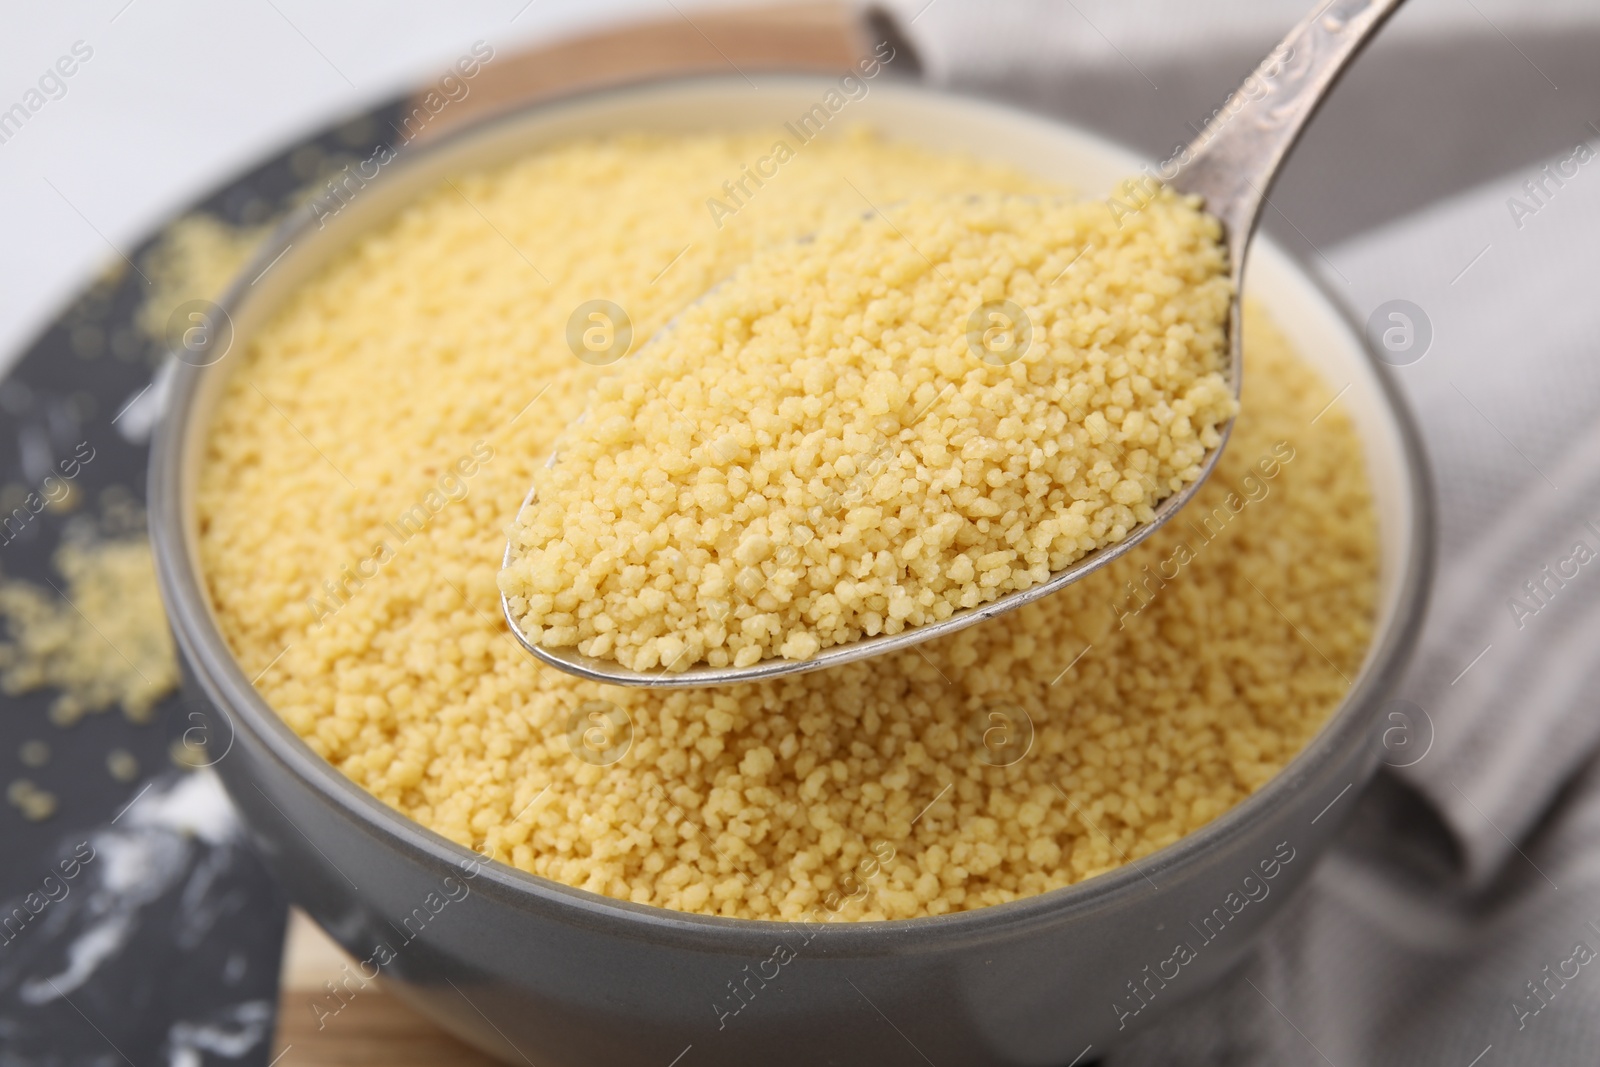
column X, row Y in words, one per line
column 181, row 94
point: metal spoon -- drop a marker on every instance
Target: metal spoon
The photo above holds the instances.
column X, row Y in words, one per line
column 1230, row 166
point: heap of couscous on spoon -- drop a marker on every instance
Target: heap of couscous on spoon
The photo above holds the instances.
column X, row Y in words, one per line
column 905, row 415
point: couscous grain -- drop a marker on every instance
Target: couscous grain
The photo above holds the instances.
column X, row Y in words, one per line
column 1029, row 753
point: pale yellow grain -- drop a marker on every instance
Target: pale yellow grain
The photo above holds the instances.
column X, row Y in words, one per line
column 100, row 641
column 760, row 801
column 820, row 398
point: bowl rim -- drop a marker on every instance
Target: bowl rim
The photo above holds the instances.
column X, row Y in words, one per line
column 234, row 696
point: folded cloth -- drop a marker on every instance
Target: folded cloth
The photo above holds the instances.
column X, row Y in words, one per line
column 1508, row 399
column 1455, row 921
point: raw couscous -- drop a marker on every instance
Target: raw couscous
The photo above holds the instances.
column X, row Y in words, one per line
column 825, row 448
column 375, row 443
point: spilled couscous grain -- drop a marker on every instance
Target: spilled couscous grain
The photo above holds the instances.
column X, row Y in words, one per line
column 375, row 443
column 878, row 426
column 100, row 642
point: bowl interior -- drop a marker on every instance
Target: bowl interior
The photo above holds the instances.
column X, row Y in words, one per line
column 905, row 112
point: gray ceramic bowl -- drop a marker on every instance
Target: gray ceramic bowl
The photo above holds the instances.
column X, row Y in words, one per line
column 533, row 971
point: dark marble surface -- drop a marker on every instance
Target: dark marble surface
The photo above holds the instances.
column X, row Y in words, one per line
column 153, row 937
column 135, row 925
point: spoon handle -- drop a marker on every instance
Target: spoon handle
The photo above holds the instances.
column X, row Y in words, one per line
column 1233, row 162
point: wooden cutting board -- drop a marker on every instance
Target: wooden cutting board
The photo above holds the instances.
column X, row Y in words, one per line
column 377, row 1027
column 374, row 1028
